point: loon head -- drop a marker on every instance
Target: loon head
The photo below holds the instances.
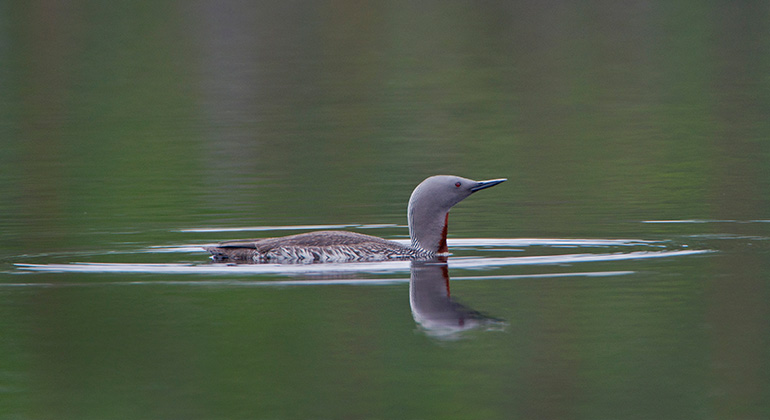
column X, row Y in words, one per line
column 429, row 206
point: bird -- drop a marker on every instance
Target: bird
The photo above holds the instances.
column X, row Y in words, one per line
column 427, row 215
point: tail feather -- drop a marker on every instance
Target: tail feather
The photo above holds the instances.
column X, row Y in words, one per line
column 231, row 253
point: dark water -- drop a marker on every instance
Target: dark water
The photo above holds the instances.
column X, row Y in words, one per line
column 622, row 271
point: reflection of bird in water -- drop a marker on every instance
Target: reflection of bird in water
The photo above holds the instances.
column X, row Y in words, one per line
column 427, row 213
column 433, row 308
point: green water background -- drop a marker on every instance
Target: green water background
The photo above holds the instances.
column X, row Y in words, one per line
column 123, row 124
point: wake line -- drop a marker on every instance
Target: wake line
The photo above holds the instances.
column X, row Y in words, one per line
column 467, row 242
column 294, row 227
column 331, row 268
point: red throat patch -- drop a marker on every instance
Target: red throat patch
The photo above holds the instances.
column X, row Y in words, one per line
column 442, row 246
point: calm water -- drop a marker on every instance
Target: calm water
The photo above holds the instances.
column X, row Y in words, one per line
column 623, row 271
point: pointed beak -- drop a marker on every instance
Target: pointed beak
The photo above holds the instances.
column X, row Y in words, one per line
column 486, row 184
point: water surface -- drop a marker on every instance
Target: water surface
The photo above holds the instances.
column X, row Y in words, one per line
column 621, row 272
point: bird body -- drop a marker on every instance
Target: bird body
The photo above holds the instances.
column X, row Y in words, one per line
column 321, row 246
column 427, row 213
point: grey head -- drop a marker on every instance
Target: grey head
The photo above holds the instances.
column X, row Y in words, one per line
column 429, row 206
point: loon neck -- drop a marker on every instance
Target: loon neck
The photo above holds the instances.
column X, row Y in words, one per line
column 429, row 232
column 442, row 246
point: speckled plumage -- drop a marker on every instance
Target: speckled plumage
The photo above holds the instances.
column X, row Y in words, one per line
column 321, row 246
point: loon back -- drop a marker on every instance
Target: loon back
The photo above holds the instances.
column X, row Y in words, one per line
column 321, row 246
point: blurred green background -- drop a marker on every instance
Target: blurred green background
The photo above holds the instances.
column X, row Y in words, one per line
column 123, row 123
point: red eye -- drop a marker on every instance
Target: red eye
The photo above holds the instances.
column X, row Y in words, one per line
column 457, row 184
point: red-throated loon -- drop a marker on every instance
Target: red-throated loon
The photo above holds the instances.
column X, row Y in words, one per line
column 427, row 213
